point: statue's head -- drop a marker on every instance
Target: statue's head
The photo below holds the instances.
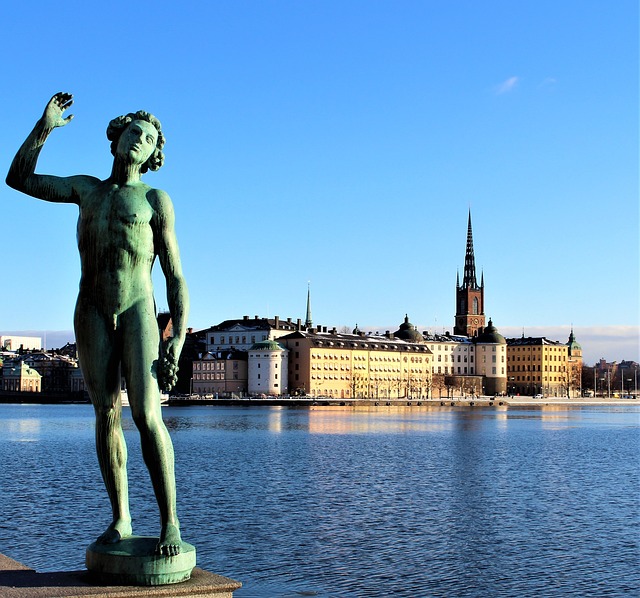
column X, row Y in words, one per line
column 120, row 124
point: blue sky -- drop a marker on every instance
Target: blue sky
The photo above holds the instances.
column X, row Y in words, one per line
column 343, row 143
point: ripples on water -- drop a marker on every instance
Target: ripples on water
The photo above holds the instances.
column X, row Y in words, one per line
column 405, row 502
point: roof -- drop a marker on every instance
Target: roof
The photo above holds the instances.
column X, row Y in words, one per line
column 408, row 332
column 573, row 343
column 490, row 336
column 532, row 340
column 267, row 345
column 357, row 341
column 223, row 355
column 256, row 323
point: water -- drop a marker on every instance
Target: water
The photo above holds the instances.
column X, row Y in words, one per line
column 373, row 502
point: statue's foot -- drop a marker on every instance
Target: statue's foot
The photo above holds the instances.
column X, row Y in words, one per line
column 170, row 541
column 115, row 532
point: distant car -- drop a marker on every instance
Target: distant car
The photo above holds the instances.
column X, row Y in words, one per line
column 538, row 396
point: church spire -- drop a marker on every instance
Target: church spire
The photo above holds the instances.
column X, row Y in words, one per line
column 470, row 316
column 308, row 322
column 469, row 280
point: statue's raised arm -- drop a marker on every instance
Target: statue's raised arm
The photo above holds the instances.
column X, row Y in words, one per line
column 22, row 175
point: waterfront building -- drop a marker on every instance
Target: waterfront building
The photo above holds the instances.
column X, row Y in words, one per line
column 470, row 318
column 17, row 376
column 221, row 373
column 242, row 334
column 268, row 369
column 469, row 366
column 352, row 366
column 56, row 370
column 491, row 360
column 537, row 365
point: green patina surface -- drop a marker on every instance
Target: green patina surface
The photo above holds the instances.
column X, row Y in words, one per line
column 123, row 226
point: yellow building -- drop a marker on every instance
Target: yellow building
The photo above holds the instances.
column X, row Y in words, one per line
column 221, row 373
column 353, row 366
column 537, row 365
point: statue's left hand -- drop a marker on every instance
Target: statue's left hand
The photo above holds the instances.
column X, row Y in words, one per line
column 168, row 367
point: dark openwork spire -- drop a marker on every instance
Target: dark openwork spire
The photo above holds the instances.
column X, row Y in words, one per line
column 469, row 280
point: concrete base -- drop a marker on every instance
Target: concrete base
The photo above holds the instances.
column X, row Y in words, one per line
column 133, row 561
column 19, row 581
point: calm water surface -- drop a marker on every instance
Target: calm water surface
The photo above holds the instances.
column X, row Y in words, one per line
column 329, row 502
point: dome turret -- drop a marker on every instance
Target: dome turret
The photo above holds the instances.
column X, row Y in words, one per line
column 408, row 332
column 490, row 336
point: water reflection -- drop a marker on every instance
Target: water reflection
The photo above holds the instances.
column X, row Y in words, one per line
column 353, row 502
column 22, row 430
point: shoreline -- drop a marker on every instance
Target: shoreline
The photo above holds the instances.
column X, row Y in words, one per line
column 299, row 402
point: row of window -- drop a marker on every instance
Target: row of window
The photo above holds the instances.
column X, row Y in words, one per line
column 547, row 368
column 533, row 379
column 531, row 357
column 224, row 340
column 212, row 365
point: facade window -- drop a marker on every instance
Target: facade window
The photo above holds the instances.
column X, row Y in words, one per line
column 258, row 376
column 475, row 306
column 276, row 378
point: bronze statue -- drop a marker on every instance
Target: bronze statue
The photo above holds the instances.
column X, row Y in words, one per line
column 123, row 226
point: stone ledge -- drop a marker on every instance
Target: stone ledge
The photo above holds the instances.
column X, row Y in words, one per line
column 19, row 581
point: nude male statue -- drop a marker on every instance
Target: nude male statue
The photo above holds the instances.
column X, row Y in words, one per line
column 123, row 225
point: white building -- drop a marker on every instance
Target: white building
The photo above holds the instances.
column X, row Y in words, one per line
column 13, row 343
column 268, row 368
column 241, row 335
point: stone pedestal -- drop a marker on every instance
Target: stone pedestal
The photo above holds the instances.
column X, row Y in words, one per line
column 19, row 581
column 133, row 561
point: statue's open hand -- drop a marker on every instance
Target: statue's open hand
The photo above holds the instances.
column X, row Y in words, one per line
column 52, row 116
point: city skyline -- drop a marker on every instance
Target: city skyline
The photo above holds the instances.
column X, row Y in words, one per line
column 344, row 144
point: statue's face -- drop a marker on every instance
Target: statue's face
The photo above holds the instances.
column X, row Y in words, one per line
column 137, row 142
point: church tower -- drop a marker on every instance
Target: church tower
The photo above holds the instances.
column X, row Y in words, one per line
column 470, row 320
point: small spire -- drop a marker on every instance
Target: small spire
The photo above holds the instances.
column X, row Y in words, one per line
column 308, row 322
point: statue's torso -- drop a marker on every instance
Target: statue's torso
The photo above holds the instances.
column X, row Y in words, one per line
column 116, row 244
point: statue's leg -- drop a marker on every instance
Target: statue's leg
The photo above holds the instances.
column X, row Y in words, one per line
column 141, row 343
column 98, row 351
